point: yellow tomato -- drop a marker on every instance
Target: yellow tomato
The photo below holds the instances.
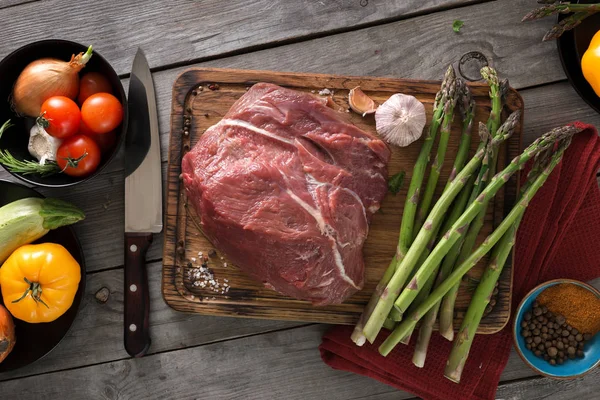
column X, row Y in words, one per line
column 590, row 63
column 39, row 282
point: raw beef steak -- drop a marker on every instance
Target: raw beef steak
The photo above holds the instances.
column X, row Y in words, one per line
column 286, row 188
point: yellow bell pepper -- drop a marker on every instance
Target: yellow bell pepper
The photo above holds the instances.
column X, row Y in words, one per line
column 590, row 63
column 39, row 282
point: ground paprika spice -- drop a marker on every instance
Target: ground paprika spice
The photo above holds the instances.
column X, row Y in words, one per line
column 578, row 305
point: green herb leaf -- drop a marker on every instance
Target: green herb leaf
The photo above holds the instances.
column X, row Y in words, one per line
column 395, row 182
column 456, row 25
column 27, row 167
column 5, row 126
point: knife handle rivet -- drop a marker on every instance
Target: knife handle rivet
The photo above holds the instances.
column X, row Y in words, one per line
column 133, row 288
column 132, row 328
column 133, row 248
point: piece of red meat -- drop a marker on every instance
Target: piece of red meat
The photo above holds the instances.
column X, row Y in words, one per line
column 286, row 188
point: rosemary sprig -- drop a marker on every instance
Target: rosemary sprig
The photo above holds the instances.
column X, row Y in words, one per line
column 4, row 127
column 25, row 167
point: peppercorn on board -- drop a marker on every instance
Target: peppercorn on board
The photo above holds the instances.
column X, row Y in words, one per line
column 200, row 99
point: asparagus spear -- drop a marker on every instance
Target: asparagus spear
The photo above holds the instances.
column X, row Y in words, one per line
column 581, row 11
column 384, row 305
column 446, row 268
column 483, row 293
column 460, row 226
column 488, row 169
column 389, row 324
column 542, row 144
column 389, row 294
column 565, row 25
column 481, row 298
column 438, row 163
column 395, row 314
column 466, row 106
column 443, row 97
column 467, row 109
column 358, row 337
column 410, row 206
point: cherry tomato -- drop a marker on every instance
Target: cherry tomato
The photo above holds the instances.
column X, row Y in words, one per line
column 106, row 141
column 102, row 112
column 78, row 156
column 60, row 116
column 85, row 130
column 92, row 83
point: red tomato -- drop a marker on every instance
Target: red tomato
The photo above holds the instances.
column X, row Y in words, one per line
column 78, row 156
column 102, row 112
column 60, row 116
column 92, row 83
column 106, row 141
column 85, row 130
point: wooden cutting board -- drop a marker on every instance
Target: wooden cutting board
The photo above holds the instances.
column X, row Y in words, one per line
column 201, row 97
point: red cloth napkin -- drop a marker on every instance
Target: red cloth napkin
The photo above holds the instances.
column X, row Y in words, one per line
column 557, row 239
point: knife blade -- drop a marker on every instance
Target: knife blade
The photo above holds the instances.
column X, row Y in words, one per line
column 143, row 202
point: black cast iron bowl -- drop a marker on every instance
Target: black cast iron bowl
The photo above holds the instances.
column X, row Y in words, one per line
column 571, row 47
column 34, row 341
column 15, row 139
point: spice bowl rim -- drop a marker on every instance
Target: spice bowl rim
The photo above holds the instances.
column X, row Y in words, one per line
column 517, row 321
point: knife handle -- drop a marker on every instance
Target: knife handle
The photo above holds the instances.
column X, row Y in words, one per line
column 137, row 299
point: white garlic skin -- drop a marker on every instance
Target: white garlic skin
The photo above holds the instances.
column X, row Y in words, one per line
column 400, row 120
column 41, row 145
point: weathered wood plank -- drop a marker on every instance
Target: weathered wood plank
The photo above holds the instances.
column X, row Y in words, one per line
column 493, row 29
column 12, row 3
column 545, row 388
column 547, row 107
column 97, row 334
column 282, row 365
column 249, row 368
column 180, row 31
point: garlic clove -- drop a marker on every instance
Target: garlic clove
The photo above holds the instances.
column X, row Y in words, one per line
column 41, row 145
column 400, row 120
column 361, row 103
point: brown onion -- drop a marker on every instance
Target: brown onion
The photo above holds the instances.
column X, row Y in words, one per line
column 45, row 78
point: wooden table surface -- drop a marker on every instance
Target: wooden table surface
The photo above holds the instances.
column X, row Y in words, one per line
column 197, row 357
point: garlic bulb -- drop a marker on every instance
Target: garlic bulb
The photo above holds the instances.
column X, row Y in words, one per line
column 361, row 103
column 400, row 120
column 42, row 146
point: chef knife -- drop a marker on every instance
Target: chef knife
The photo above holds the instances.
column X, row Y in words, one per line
column 143, row 202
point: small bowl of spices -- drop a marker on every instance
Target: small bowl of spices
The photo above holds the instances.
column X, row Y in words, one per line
column 556, row 329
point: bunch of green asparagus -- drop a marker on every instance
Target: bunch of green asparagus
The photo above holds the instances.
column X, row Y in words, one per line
column 578, row 12
column 437, row 244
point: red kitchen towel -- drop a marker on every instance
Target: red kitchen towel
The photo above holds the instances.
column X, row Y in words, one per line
column 557, row 239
